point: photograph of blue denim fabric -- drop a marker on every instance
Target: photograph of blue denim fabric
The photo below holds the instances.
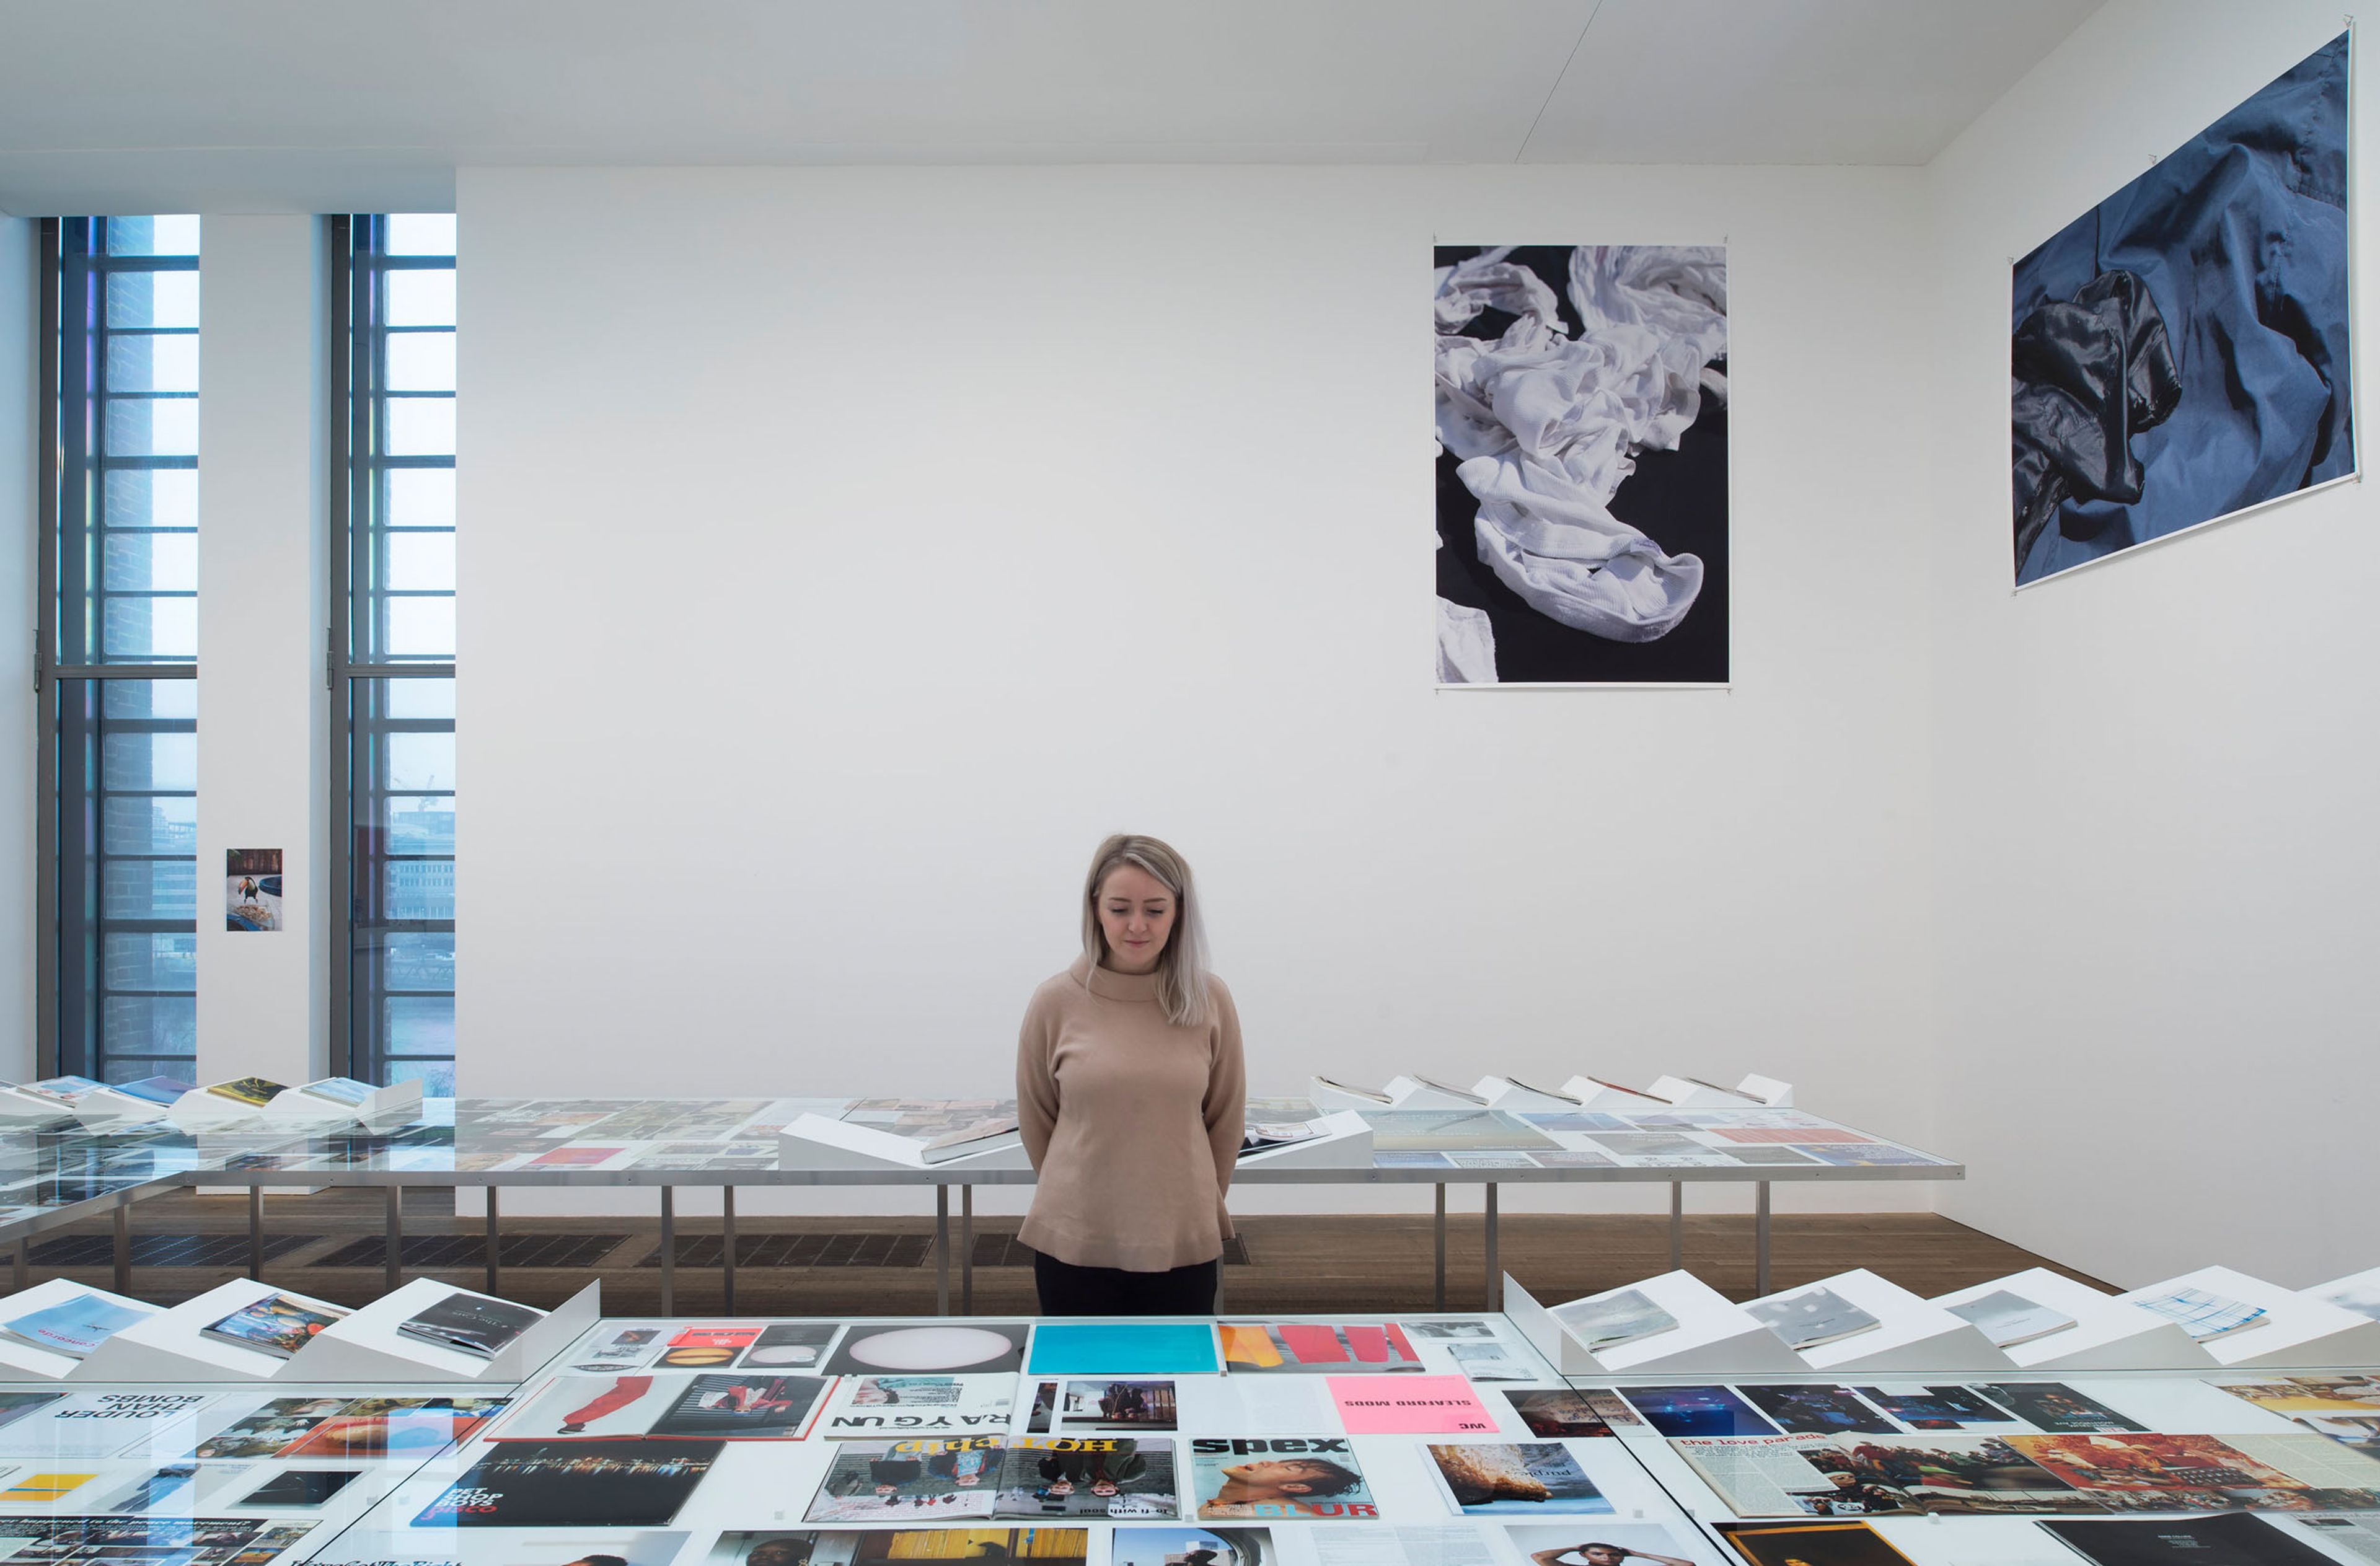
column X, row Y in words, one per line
column 2181, row 351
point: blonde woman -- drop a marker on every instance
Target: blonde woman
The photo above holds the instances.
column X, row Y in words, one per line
column 1130, row 1093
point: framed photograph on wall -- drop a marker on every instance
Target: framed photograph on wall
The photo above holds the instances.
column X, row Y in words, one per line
column 1582, row 464
column 251, row 889
column 2181, row 352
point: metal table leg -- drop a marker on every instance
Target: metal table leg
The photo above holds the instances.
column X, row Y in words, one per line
column 123, row 1250
column 1760, row 1238
column 1495, row 1279
column 727, row 1249
column 1677, row 1224
column 669, row 1250
column 941, row 1250
column 256, row 1233
column 1438, row 1297
column 491, row 1238
column 966, row 1250
column 391, row 1272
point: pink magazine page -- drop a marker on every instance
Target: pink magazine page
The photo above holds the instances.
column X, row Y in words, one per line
column 1410, row 1405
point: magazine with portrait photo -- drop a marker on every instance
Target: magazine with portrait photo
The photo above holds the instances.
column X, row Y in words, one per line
column 1280, row 1478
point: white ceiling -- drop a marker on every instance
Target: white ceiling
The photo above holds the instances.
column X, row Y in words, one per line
column 335, row 105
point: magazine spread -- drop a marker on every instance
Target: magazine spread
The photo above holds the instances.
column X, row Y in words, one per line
column 1818, row 1410
column 1316, row 1349
column 2009, row 1319
column 2054, row 1406
column 1697, row 1410
column 350, row 1428
column 911, row 1481
column 1567, row 1412
column 882, row 1406
column 50, row 1426
column 79, row 1325
column 1811, row 1543
column 1410, row 1405
column 1283, row 1478
column 732, row 1406
column 474, row 1323
column 1813, row 1317
column 1927, row 1407
column 1103, row 1404
column 620, row 1484
column 1613, row 1319
column 1487, row 1478
column 2231, row 1539
column 1113, row 1477
column 277, row 1324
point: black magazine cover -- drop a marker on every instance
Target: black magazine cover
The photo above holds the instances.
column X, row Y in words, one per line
column 473, row 1323
column 622, row 1484
column 2232, row 1538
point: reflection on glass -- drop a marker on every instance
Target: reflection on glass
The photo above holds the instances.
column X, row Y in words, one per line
column 149, row 1026
column 154, row 698
column 147, row 889
column 175, row 235
column 140, row 761
column 151, row 962
column 437, row 1076
column 421, row 298
column 139, row 824
column 153, row 426
column 422, row 960
column 136, row 629
column 139, row 300
column 419, row 889
column 421, row 825
column 164, row 562
column 161, row 497
column 138, row 362
column 421, row 233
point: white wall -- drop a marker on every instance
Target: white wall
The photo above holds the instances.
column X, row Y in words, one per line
column 843, row 551
column 262, row 762
column 19, row 370
column 2154, row 778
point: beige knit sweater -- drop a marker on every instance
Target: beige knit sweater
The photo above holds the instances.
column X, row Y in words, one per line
column 1133, row 1123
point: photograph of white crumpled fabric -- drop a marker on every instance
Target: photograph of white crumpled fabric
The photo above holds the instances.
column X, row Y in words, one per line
column 1581, row 400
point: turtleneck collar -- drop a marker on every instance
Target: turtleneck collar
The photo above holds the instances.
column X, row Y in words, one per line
column 1108, row 985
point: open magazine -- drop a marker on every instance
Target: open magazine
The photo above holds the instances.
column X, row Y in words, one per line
column 1883, row 1475
column 988, row 1477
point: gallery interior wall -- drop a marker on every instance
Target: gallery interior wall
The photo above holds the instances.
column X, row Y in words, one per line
column 2153, row 779
column 843, row 551
column 20, row 372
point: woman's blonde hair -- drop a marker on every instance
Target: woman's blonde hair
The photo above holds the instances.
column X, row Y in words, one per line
column 1182, row 965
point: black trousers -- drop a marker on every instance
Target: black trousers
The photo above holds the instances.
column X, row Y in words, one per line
column 1068, row 1290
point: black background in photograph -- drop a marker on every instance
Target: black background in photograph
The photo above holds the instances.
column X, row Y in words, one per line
column 847, row 1362
column 1678, row 498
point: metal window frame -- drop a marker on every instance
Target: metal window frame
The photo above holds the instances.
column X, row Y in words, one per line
column 50, row 670
column 350, row 421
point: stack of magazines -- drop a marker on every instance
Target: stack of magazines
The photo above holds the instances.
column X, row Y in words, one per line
column 277, row 1324
column 475, row 1324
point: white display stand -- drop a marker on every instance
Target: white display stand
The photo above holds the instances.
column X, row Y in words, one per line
column 815, row 1142
column 1411, row 1093
column 200, row 1109
column 1345, row 1143
column 107, row 1110
column 2363, row 1285
column 1594, row 1095
column 30, row 1108
column 367, row 1347
column 1767, row 1090
column 167, row 1346
column 2108, row 1334
column 1915, row 1334
column 296, row 1103
column 1685, row 1093
column 1503, row 1093
column 1330, row 1095
column 25, row 1359
column 2297, row 1333
column 1714, row 1335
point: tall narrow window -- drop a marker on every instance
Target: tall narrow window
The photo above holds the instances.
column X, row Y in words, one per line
column 392, row 651
column 117, row 646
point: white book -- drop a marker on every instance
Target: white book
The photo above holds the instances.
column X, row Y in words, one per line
column 1811, row 1317
column 1608, row 1320
column 2009, row 1319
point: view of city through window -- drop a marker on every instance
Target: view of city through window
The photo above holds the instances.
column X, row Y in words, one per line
column 119, row 605
column 399, row 761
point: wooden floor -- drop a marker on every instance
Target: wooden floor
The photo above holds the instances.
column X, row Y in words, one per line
column 1333, row 1263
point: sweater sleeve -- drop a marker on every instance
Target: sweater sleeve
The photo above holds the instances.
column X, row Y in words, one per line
column 1227, row 1091
column 1037, row 1084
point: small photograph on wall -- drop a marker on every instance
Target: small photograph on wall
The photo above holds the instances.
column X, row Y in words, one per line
column 1582, row 464
column 2181, row 351
column 252, row 888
